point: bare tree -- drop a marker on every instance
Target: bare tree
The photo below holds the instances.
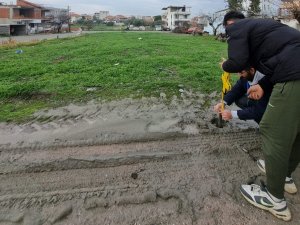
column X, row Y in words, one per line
column 292, row 6
column 58, row 17
column 215, row 21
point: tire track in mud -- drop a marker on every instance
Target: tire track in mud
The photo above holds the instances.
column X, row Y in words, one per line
column 187, row 180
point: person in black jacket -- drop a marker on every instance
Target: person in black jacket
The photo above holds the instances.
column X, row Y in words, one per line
column 250, row 109
column 274, row 50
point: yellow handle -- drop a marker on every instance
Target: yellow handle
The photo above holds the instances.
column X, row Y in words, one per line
column 226, row 86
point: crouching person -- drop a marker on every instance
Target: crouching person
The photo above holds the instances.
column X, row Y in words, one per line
column 250, row 109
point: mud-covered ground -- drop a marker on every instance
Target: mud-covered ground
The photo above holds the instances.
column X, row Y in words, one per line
column 150, row 161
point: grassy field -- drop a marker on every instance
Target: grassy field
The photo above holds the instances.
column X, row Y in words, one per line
column 100, row 27
column 109, row 65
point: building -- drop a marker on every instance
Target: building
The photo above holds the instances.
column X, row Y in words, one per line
column 23, row 18
column 74, row 17
column 176, row 16
column 57, row 15
column 286, row 15
column 86, row 17
column 118, row 19
column 268, row 8
column 101, row 15
column 27, row 18
column 199, row 21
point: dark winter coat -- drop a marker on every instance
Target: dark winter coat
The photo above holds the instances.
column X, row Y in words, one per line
column 267, row 45
column 255, row 110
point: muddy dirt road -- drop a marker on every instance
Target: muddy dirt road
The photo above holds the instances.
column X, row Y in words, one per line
column 180, row 170
column 193, row 180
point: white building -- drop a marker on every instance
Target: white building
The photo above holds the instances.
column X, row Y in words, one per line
column 286, row 16
column 176, row 16
column 268, row 8
column 57, row 14
column 101, row 15
column 74, row 17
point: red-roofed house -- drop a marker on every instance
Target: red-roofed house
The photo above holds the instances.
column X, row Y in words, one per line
column 21, row 18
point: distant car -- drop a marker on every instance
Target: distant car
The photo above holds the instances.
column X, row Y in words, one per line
column 166, row 29
column 194, row 31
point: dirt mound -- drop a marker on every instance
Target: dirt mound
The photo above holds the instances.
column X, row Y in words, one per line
column 119, row 121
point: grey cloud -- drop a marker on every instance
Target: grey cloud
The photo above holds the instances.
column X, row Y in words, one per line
column 131, row 7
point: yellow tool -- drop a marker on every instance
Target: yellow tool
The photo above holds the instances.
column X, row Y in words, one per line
column 226, row 86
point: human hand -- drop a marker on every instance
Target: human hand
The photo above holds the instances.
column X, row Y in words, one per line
column 221, row 63
column 255, row 92
column 218, row 107
column 226, row 115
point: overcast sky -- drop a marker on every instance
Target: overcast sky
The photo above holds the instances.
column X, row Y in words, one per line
column 130, row 7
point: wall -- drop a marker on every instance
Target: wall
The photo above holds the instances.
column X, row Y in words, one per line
column 4, row 12
column 21, row 3
column 4, row 30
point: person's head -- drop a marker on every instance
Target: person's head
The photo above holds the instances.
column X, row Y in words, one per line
column 231, row 17
column 247, row 74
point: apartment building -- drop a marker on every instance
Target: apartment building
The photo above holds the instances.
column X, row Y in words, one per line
column 101, row 15
column 176, row 16
column 268, row 8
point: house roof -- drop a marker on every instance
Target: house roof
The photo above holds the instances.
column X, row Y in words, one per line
column 31, row 4
column 121, row 17
column 74, row 14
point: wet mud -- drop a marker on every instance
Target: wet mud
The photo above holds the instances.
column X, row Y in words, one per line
column 131, row 162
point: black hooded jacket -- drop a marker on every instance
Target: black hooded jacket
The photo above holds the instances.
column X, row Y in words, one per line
column 267, row 45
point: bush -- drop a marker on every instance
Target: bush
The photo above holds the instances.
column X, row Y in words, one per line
column 110, row 24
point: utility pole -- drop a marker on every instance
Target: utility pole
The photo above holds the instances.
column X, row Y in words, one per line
column 69, row 18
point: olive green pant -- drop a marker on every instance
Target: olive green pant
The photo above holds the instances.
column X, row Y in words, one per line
column 280, row 129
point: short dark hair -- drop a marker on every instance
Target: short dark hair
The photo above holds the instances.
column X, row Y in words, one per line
column 232, row 15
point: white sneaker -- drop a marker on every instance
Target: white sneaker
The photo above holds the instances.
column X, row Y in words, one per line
column 289, row 186
column 261, row 198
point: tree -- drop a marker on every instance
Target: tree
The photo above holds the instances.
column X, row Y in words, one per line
column 157, row 21
column 89, row 24
column 60, row 18
column 215, row 22
column 235, row 5
column 293, row 6
column 254, row 8
column 157, row 18
column 110, row 24
column 138, row 22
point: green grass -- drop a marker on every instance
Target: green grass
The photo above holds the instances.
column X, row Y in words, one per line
column 100, row 27
column 118, row 64
column 103, row 27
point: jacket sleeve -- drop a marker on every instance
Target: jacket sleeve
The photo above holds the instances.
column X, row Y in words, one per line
column 254, row 112
column 238, row 50
column 237, row 91
column 266, row 84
